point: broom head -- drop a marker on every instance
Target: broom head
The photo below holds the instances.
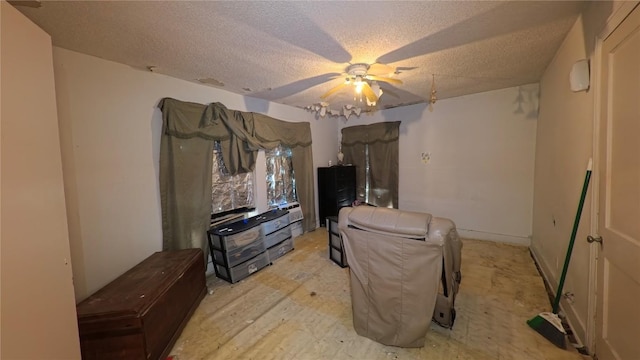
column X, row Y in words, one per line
column 549, row 325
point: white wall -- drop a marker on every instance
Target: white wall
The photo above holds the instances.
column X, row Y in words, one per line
column 564, row 146
column 480, row 173
column 110, row 132
column 38, row 309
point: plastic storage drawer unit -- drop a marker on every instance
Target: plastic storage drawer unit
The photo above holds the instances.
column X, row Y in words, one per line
column 243, row 270
column 238, row 255
column 280, row 249
column 237, row 249
column 336, row 249
column 273, row 220
column 235, row 235
column 277, row 236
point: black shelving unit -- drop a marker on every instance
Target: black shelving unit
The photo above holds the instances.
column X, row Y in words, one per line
column 336, row 189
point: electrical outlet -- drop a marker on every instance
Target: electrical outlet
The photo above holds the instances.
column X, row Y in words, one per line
column 426, row 157
column 570, row 296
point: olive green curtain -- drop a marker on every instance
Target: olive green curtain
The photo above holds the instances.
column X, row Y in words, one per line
column 186, row 147
column 377, row 147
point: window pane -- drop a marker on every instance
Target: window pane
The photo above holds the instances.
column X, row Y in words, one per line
column 367, row 172
column 229, row 192
column 281, row 183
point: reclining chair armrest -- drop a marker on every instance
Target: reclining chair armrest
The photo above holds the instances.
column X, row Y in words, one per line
column 445, row 229
column 384, row 221
column 343, row 218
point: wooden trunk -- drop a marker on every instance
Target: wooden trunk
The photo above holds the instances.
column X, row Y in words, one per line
column 141, row 314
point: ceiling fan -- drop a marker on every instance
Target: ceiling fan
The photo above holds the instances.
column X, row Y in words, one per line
column 362, row 78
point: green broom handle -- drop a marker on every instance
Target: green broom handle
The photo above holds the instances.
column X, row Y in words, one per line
column 576, row 222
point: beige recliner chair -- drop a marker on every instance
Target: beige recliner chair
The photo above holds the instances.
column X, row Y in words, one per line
column 405, row 270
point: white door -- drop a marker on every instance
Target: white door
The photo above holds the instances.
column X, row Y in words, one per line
column 618, row 303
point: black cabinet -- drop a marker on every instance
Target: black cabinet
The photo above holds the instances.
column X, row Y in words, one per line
column 336, row 189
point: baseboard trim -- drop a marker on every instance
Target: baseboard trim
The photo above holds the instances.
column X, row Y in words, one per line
column 570, row 318
column 502, row 238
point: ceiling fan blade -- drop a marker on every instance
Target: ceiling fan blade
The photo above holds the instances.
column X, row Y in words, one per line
column 405, row 68
column 368, row 92
column 295, row 87
column 315, row 40
column 384, row 79
column 397, row 93
column 378, row 68
column 333, row 91
column 388, row 90
column 27, row 3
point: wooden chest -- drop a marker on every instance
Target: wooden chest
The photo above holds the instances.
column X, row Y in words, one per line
column 141, row 314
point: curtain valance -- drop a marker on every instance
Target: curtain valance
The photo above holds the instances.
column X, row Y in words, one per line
column 368, row 134
column 216, row 122
column 187, row 120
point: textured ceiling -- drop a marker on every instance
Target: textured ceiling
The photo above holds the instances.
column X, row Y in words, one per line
column 293, row 52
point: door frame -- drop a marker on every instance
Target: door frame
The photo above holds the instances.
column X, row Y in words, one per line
column 612, row 23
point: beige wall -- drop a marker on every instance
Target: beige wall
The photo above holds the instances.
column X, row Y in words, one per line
column 110, row 136
column 480, row 173
column 565, row 136
column 38, row 309
column 563, row 147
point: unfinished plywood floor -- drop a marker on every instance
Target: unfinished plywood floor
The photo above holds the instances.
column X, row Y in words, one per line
column 300, row 308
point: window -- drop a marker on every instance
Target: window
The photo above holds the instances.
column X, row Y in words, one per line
column 229, row 193
column 367, row 178
column 281, row 183
column 374, row 149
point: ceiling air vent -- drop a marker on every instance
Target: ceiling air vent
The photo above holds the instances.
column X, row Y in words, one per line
column 211, row 81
